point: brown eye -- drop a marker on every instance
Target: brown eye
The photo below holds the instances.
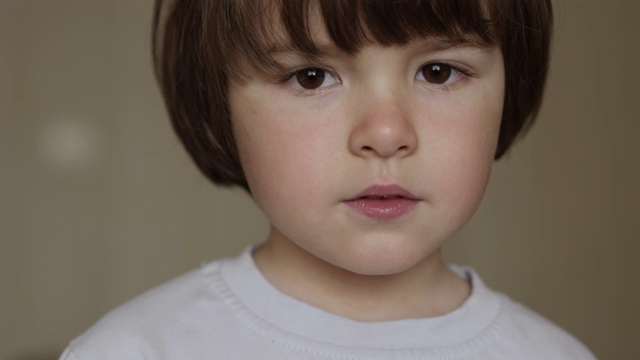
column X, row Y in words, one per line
column 310, row 78
column 436, row 73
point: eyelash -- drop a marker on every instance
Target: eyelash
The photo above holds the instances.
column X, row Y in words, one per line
column 289, row 79
column 462, row 72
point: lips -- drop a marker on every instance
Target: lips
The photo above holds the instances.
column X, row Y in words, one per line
column 383, row 202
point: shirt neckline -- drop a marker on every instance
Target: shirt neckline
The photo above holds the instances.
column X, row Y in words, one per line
column 266, row 309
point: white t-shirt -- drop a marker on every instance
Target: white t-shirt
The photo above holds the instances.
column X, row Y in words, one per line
column 228, row 310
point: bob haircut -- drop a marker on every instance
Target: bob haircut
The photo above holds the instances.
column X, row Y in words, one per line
column 199, row 44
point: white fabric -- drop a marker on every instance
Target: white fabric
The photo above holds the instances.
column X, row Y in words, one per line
column 227, row 310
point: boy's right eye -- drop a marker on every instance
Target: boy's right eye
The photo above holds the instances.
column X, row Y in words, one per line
column 313, row 78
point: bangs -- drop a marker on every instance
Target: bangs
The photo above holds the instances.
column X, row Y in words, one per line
column 253, row 28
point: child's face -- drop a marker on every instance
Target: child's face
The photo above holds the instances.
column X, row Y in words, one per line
column 370, row 162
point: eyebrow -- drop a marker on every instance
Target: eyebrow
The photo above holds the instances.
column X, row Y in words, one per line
column 442, row 44
column 323, row 48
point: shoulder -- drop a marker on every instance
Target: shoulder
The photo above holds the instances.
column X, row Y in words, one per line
column 539, row 337
column 149, row 325
column 513, row 331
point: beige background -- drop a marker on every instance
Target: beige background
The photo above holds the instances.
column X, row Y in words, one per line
column 99, row 202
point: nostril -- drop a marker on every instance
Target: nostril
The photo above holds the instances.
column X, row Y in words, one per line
column 366, row 149
column 383, row 139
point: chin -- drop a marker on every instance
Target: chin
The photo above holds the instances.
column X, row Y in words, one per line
column 385, row 261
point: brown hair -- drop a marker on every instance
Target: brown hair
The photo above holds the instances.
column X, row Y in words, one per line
column 198, row 44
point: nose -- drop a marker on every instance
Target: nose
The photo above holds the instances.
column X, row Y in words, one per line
column 383, row 129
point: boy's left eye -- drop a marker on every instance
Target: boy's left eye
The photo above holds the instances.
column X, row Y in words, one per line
column 438, row 73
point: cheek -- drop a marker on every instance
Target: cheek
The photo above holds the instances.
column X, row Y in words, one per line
column 283, row 155
column 467, row 141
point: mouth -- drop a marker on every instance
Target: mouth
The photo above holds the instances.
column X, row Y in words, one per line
column 383, row 202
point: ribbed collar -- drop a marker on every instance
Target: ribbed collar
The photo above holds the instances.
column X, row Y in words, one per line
column 267, row 309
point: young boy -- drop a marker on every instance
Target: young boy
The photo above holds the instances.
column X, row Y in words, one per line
column 365, row 131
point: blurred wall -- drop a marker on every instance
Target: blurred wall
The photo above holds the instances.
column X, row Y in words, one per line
column 99, row 202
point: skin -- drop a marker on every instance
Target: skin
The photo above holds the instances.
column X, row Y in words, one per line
column 375, row 120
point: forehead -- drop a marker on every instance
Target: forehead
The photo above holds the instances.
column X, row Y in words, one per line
column 300, row 25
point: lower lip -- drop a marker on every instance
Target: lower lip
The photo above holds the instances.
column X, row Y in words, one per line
column 382, row 208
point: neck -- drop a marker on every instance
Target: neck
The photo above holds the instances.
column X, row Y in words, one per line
column 427, row 289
